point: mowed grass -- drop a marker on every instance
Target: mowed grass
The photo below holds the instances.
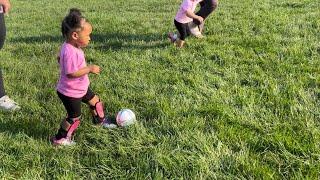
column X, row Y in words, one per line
column 243, row 103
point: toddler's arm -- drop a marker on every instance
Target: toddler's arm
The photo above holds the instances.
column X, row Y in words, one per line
column 86, row 70
column 192, row 15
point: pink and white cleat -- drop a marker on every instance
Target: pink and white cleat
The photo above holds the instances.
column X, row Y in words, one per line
column 62, row 142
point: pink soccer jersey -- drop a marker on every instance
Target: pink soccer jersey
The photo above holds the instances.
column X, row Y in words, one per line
column 72, row 60
column 181, row 15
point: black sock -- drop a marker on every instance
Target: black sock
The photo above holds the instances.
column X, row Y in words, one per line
column 61, row 134
column 97, row 119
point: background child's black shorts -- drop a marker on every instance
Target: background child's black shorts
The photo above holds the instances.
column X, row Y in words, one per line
column 73, row 105
column 183, row 29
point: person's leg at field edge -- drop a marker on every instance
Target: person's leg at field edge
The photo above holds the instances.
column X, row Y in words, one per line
column 5, row 102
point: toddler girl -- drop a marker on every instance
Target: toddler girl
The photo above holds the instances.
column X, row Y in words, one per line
column 73, row 86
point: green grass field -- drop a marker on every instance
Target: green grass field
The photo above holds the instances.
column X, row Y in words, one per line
column 244, row 103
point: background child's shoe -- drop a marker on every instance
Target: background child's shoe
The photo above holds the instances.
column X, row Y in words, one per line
column 8, row 104
column 62, row 142
column 172, row 37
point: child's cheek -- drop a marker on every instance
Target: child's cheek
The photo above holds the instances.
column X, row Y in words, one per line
column 83, row 42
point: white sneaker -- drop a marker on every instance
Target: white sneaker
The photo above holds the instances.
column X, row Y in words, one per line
column 173, row 37
column 8, row 104
column 62, row 142
column 194, row 29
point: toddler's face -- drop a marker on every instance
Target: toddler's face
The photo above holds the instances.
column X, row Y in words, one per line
column 84, row 35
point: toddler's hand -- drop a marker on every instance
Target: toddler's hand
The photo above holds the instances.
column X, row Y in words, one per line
column 200, row 19
column 6, row 6
column 94, row 69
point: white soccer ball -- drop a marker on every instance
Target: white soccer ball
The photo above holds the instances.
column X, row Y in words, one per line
column 125, row 117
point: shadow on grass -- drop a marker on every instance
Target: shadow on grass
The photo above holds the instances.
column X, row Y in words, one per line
column 32, row 128
column 37, row 39
column 106, row 41
column 293, row 5
column 36, row 129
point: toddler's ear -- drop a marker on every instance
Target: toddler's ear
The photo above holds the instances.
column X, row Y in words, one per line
column 74, row 35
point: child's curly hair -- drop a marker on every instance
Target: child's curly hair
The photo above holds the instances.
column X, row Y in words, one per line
column 72, row 22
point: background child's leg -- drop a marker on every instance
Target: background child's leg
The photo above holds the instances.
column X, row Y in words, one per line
column 2, row 38
column 183, row 31
column 206, row 8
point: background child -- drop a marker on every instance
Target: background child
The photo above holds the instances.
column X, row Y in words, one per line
column 73, row 86
column 184, row 16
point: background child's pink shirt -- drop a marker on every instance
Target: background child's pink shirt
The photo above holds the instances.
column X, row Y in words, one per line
column 71, row 60
column 181, row 16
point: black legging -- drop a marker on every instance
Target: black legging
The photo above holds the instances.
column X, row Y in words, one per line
column 2, row 38
column 182, row 29
column 206, row 8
